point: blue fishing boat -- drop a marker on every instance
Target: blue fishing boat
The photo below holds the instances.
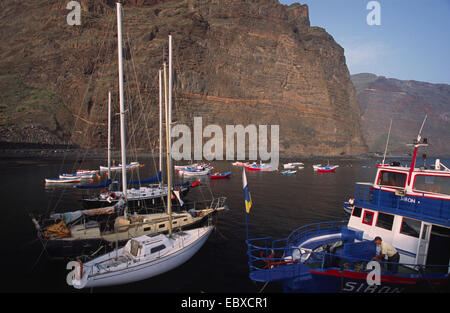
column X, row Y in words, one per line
column 406, row 207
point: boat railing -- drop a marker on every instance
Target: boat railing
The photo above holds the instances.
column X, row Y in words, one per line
column 218, row 202
column 265, row 255
column 326, row 260
column 314, row 230
column 429, row 209
column 271, row 260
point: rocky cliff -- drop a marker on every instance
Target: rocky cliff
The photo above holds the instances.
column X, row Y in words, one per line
column 235, row 62
column 407, row 103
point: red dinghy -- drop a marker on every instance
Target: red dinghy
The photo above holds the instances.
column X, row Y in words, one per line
column 326, row 169
column 220, row 175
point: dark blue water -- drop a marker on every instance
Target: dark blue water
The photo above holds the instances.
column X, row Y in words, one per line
column 280, row 205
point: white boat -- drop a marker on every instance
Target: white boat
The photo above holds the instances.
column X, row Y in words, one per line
column 62, row 180
column 129, row 166
column 76, row 175
column 240, row 163
column 288, row 172
column 196, row 172
column 316, row 166
column 292, row 165
column 182, row 167
column 141, row 258
column 145, row 256
column 92, row 172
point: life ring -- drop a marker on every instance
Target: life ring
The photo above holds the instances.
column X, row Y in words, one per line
column 113, row 195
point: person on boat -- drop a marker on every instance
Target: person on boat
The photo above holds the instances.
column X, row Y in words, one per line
column 387, row 249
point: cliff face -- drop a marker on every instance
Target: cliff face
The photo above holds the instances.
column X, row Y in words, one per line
column 407, row 103
column 235, row 62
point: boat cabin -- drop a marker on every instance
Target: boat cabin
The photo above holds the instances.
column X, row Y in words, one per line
column 410, row 209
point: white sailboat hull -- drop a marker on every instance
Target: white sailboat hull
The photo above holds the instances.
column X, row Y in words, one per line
column 141, row 270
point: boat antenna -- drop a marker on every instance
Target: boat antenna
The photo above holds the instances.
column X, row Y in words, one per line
column 420, row 131
column 416, row 145
column 387, row 142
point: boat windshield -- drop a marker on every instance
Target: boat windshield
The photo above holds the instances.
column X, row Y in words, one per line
column 388, row 178
column 429, row 183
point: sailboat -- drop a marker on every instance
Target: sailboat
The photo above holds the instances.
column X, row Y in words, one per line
column 150, row 195
column 86, row 232
column 145, row 256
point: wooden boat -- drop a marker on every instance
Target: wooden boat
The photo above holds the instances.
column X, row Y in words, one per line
column 220, row 175
column 69, row 235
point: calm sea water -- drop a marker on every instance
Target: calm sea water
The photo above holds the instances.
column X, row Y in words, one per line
column 280, row 205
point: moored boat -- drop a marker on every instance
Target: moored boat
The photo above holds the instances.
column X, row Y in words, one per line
column 62, row 180
column 258, row 167
column 407, row 207
column 141, row 258
column 119, row 167
column 292, row 165
column 327, row 169
column 288, row 172
column 240, row 163
column 220, row 175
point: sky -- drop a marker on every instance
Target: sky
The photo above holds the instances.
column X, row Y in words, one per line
column 412, row 41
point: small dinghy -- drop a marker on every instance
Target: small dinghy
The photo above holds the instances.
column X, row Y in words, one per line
column 220, row 175
column 327, row 169
column 258, row 167
column 240, row 163
column 288, row 172
column 129, row 166
column 292, row 165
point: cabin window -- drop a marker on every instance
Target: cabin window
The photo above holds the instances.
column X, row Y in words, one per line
column 368, row 217
column 385, row 221
column 147, row 228
column 410, row 227
column 392, row 179
column 161, row 225
column 436, row 184
column 157, row 248
column 357, row 211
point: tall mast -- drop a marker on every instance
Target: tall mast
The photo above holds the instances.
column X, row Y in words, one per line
column 387, row 142
column 170, row 97
column 169, row 178
column 121, row 100
column 109, row 135
column 160, row 126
